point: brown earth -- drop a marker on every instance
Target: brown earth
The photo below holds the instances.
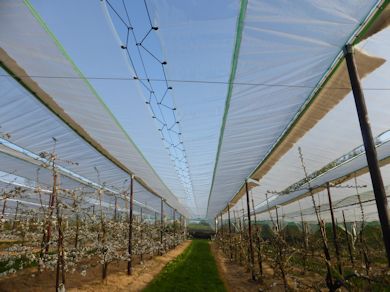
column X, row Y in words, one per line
column 234, row 276
column 238, row 279
column 117, row 280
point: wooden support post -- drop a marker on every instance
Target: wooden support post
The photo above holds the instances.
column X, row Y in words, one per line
column 230, row 234
column 115, row 210
column 16, row 216
column 130, row 246
column 185, row 227
column 250, row 250
column 181, row 222
column 4, row 206
column 348, row 242
column 60, row 252
column 53, row 198
column 236, row 254
column 162, row 226
column 328, row 261
column 76, row 240
column 334, row 229
column 277, row 218
column 174, row 225
column 141, row 233
column 221, row 225
column 369, row 145
column 258, row 240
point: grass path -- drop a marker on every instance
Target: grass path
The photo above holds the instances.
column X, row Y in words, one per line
column 194, row 270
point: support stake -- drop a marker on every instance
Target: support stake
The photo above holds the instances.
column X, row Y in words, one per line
column 369, row 145
column 162, row 225
column 336, row 245
column 130, row 247
column 251, row 255
column 230, row 234
column 348, row 242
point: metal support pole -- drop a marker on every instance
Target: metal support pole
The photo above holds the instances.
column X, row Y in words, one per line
column 141, row 232
column 16, row 216
column 239, row 235
column 76, row 240
column 185, row 227
column 180, row 222
column 221, row 226
column 251, row 255
column 348, row 242
column 115, row 210
column 258, row 240
column 162, row 224
column 277, row 218
column 230, row 234
column 4, row 205
column 336, row 245
column 52, row 201
column 369, row 145
column 130, row 246
column 174, row 227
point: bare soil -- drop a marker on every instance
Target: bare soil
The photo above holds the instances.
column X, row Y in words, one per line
column 238, row 278
column 117, row 280
column 234, row 276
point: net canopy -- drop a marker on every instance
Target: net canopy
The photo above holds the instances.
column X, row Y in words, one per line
column 31, row 125
column 28, row 169
column 331, row 153
column 193, row 98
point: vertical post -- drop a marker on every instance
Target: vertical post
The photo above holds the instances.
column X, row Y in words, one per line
column 174, row 226
column 162, row 225
column 336, row 245
column 76, row 240
column 235, row 245
column 4, row 206
column 180, row 222
column 16, row 216
column 60, row 251
column 222, row 234
column 52, row 201
column 220, row 225
column 348, row 242
column 130, row 246
column 369, row 145
column 116, row 206
column 251, row 255
column 141, row 235
column 230, row 234
column 258, row 239
column 277, row 218
column 185, row 227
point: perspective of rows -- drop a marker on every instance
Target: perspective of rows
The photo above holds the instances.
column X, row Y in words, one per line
column 170, row 145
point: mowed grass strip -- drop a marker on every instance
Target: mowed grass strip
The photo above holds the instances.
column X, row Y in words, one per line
column 194, row 270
